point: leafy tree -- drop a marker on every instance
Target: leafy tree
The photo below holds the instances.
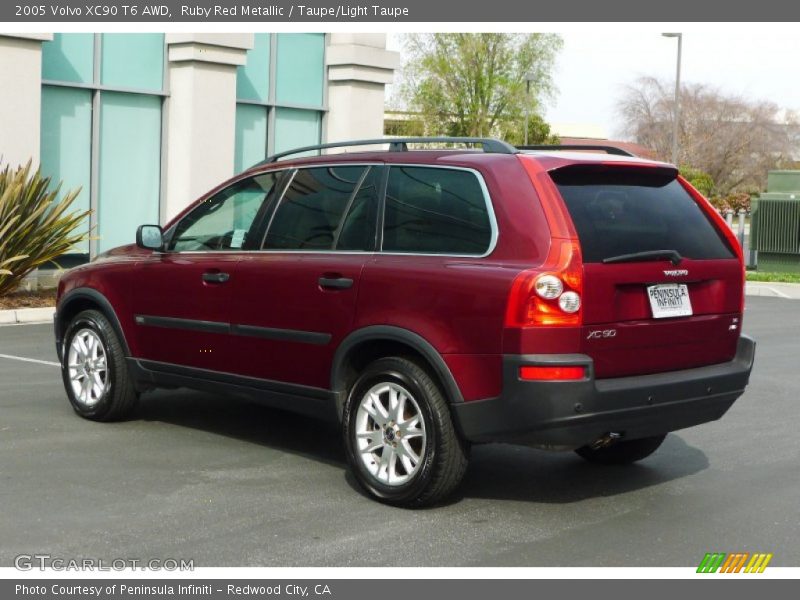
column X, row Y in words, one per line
column 476, row 84
column 512, row 130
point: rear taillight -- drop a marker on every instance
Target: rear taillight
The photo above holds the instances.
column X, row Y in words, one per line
column 552, row 373
column 550, row 294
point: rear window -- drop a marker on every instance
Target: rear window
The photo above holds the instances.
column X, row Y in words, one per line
column 619, row 211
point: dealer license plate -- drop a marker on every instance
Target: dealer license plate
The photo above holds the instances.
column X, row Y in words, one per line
column 669, row 300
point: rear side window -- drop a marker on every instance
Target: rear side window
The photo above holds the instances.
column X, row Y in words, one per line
column 619, row 211
column 435, row 211
column 326, row 208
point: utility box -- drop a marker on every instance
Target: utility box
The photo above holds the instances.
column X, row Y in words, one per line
column 775, row 223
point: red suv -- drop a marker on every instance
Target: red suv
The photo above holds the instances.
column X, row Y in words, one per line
column 427, row 300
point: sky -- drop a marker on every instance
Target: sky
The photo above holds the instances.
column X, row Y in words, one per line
column 593, row 68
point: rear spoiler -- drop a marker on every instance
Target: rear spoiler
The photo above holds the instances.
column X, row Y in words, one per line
column 580, row 147
column 610, row 173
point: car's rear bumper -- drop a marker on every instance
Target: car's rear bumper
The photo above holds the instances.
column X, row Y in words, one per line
column 570, row 414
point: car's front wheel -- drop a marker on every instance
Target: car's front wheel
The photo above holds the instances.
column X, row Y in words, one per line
column 94, row 371
column 623, row 452
column 400, row 439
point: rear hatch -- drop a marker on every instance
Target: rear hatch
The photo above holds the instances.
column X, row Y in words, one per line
column 662, row 286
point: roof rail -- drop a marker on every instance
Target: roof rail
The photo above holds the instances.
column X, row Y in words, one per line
column 599, row 147
column 401, row 145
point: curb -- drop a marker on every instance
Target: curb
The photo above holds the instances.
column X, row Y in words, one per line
column 778, row 283
column 27, row 315
column 787, row 291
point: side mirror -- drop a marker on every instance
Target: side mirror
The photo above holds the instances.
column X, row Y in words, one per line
column 150, row 237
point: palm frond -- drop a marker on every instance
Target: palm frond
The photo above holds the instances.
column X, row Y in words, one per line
column 36, row 227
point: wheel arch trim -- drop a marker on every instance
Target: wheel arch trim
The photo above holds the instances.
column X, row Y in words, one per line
column 101, row 302
column 380, row 333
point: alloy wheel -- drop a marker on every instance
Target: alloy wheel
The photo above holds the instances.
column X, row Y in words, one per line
column 390, row 433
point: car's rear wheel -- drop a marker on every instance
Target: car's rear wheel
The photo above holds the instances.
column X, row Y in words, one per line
column 400, row 439
column 94, row 371
column 623, row 452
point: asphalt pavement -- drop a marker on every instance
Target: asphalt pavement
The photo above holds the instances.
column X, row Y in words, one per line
column 225, row 483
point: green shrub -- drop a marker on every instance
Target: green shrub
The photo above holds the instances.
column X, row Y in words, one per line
column 701, row 180
column 34, row 228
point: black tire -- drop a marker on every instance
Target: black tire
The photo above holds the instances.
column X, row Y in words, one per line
column 622, row 453
column 119, row 397
column 443, row 461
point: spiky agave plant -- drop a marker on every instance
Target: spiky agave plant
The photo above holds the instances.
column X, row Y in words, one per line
column 35, row 228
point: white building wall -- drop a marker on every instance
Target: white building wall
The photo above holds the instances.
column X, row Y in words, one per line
column 359, row 67
column 20, row 97
column 201, row 114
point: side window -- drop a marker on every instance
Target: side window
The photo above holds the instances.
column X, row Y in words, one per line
column 326, row 208
column 224, row 221
column 435, row 211
column 357, row 230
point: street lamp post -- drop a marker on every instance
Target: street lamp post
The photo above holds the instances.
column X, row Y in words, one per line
column 676, row 113
column 528, row 78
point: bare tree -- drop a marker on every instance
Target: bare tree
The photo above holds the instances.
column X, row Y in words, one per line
column 733, row 139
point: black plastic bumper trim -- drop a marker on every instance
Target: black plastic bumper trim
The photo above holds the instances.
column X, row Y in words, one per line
column 575, row 413
column 311, row 401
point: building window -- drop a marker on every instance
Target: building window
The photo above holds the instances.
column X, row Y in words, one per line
column 280, row 93
column 130, row 175
column 295, row 128
column 300, row 69
column 66, row 143
column 252, row 79
column 69, row 57
column 102, row 106
column 133, row 61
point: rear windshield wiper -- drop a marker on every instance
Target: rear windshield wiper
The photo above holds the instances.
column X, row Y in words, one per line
column 672, row 255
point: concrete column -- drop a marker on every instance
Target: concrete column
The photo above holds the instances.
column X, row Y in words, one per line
column 359, row 67
column 201, row 113
column 21, row 97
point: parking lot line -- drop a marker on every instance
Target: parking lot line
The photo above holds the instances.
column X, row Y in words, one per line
column 779, row 293
column 31, row 360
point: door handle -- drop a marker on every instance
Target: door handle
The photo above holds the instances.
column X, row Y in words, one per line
column 335, row 283
column 216, row 277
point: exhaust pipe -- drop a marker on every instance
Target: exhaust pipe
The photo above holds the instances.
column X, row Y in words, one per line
column 606, row 440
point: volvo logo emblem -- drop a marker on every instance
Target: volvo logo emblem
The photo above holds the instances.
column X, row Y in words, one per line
column 676, row 272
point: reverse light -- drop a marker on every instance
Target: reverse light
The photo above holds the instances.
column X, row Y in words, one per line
column 570, row 302
column 552, row 373
column 548, row 287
